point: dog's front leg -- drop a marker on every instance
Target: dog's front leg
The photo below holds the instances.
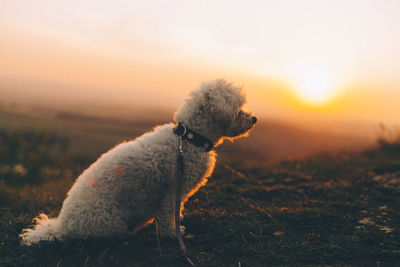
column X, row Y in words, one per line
column 166, row 218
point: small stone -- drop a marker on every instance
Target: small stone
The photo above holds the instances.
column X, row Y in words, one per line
column 20, row 169
column 366, row 221
column 278, row 233
column 386, row 229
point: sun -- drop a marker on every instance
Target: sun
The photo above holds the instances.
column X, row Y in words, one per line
column 313, row 86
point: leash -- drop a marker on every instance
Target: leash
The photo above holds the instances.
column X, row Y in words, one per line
column 180, row 166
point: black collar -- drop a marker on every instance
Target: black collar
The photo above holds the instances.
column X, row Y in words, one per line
column 193, row 137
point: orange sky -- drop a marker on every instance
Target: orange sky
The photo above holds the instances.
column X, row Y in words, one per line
column 312, row 58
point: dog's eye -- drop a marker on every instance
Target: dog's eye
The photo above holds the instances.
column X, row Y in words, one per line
column 238, row 114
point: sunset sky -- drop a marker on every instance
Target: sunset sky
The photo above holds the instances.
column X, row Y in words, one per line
column 318, row 58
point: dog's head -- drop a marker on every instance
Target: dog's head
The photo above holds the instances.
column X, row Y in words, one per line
column 215, row 111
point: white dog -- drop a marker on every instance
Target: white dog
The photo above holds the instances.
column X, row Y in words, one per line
column 135, row 181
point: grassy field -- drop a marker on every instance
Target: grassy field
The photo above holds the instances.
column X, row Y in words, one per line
column 338, row 209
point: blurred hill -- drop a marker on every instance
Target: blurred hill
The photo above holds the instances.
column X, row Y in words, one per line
column 92, row 135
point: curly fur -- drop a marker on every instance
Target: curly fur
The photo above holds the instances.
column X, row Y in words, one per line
column 135, row 182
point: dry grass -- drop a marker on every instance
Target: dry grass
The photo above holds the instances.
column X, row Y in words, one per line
column 327, row 210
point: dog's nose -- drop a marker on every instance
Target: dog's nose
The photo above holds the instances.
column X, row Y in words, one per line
column 254, row 120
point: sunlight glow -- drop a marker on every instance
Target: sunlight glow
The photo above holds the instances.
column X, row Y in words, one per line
column 313, row 85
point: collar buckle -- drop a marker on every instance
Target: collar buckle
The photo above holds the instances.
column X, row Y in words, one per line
column 198, row 140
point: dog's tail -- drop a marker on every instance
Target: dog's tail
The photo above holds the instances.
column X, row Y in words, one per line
column 45, row 229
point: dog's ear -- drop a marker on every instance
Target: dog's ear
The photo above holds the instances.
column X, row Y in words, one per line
column 215, row 105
